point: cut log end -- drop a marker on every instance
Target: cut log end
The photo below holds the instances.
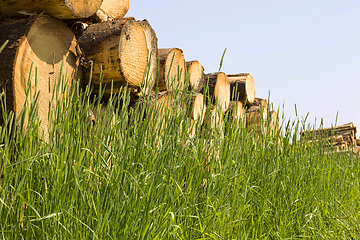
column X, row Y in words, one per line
column 199, row 108
column 172, row 72
column 133, row 52
column 152, row 67
column 44, row 47
column 242, row 87
column 222, row 91
column 196, row 75
column 114, row 9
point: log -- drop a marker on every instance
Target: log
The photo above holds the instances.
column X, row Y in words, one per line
column 218, row 89
column 274, row 125
column 358, row 142
column 118, row 47
column 255, row 122
column 332, row 130
column 61, row 9
column 256, row 115
column 111, row 10
column 214, row 120
column 152, row 46
column 39, row 45
column 259, row 104
column 196, row 75
column 242, row 87
column 197, row 112
column 172, row 72
column 236, row 110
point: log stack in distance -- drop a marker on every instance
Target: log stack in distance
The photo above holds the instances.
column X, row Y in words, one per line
column 69, row 9
column 39, row 45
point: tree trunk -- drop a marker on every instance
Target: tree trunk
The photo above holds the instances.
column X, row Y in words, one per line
column 196, row 76
column 118, row 50
column 39, row 45
column 242, row 88
column 172, row 72
column 111, row 10
column 152, row 46
column 62, row 9
column 218, row 89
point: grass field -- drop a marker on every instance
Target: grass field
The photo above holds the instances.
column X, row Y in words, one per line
column 128, row 178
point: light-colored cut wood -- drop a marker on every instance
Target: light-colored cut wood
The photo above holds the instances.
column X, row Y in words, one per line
column 62, row 9
column 196, row 75
column 118, row 50
column 242, row 87
column 172, row 72
column 111, row 10
column 197, row 112
column 218, row 89
column 40, row 45
column 152, row 67
column 198, row 108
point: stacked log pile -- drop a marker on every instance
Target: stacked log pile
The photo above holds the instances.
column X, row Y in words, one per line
column 102, row 47
column 339, row 138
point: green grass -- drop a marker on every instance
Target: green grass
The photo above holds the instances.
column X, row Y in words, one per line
column 133, row 179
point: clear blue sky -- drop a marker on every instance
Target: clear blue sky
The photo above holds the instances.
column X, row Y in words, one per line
column 303, row 52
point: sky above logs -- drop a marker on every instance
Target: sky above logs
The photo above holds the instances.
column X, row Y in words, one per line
column 300, row 52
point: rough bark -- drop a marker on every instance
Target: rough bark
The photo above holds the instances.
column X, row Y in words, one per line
column 172, row 72
column 196, row 76
column 62, row 9
column 242, row 88
column 39, row 45
column 217, row 87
